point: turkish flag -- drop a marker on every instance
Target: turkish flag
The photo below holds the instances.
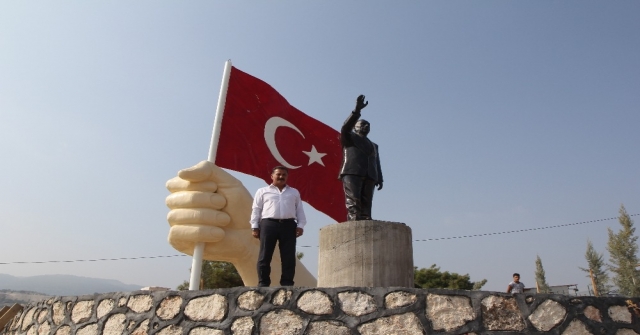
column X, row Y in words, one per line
column 260, row 130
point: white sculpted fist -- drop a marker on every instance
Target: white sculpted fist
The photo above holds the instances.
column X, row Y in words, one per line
column 209, row 205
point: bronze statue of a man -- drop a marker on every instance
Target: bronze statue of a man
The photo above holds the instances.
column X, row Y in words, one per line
column 360, row 172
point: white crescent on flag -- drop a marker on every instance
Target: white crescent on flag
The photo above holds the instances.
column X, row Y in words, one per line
column 270, row 138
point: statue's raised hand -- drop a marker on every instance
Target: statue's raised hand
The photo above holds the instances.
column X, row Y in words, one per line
column 211, row 206
column 360, row 103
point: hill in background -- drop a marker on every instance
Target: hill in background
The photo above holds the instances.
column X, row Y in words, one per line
column 9, row 297
column 63, row 285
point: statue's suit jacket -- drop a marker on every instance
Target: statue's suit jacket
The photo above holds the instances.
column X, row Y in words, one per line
column 359, row 155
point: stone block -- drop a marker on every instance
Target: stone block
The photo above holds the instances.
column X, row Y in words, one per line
column 82, row 311
column 205, row 331
column 140, row 303
column 170, row 330
column 593, row 313
column 115, row 325
column 548, row 315
column 327, row 328
column 576, row 327
column 142, row 329
column 281, row 297
column 64, row 330
column 250, row 300
column 242, row 326
column 357, row 303
column 207, row 308
column 501, row 313
column 169, row 307
column 399, row 299
column 104, row 307
column 620, row 314
column 315, row 302
column 402, row 324
column 90, row 329
column 626, row 332
column 58, row 312
column 281, row 322
column 42, row 315
column 44, row 329
column 448, row 312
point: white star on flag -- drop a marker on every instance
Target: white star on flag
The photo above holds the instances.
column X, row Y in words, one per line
column 314, row 156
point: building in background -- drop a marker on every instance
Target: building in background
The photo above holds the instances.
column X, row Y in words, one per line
column 571, row 289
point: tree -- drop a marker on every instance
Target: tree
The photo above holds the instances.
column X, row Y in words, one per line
column 623, row 250
column 216, row 275
column 543, row 287
column 478, row 285
column 432, row 277
column 595, row 262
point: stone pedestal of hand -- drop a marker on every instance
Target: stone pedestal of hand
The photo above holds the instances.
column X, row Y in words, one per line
column 365, row 253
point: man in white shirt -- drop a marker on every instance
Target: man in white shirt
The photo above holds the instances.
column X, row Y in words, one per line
column 277, row 216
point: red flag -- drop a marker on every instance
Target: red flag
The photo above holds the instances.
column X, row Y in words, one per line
column 260, row 130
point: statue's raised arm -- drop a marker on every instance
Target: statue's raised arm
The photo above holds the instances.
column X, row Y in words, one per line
column 361, row 103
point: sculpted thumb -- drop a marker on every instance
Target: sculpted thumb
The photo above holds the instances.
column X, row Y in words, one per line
column 199, row 172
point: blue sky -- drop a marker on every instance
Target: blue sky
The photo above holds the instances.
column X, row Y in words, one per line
column 490, row 116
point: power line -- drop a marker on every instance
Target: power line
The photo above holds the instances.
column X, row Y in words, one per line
column 309, row 246
column 505, row 232
column 519, row 231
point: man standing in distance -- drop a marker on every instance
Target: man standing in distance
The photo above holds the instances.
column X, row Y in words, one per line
column 516, row 286
column 277, row 216
column 360, row 172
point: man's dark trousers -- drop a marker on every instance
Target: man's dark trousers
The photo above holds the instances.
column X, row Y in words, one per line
column 283, row 232
column 358, row 191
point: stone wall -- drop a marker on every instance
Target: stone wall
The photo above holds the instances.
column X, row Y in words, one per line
column 334, row 311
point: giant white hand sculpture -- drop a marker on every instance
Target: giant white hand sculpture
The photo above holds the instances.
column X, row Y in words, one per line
column 209, row 205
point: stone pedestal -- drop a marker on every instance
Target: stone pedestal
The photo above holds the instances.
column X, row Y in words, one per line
column 366, row 253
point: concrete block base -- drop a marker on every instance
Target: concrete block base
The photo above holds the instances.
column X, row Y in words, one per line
column 365, row 253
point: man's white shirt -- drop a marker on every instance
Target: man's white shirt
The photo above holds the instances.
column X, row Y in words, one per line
column 270, row 202
column 516, row 287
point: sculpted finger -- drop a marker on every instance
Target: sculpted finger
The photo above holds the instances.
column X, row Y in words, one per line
column 199, row 172
column 182, row 235
column 190, row 199
column 198, row 216
column 177, row 184
column 206, row 170
column 223, row 178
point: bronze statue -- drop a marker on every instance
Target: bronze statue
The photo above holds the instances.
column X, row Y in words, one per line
column 360, row 172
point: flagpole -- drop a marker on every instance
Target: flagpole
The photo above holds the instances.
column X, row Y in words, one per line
column 217, row 123
column 198, row 250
